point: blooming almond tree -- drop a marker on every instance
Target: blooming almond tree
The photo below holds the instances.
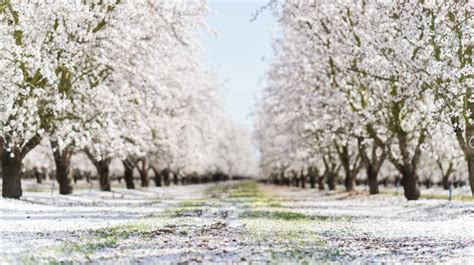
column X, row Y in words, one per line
column 46, row 71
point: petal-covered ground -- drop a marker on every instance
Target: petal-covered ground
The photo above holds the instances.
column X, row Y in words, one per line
column 238, row 222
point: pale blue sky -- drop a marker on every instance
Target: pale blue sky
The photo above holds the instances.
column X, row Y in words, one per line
column 236, row 53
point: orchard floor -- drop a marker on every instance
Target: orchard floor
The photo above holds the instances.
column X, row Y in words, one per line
column 232, row 222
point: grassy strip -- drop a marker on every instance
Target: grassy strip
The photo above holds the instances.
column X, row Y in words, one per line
column 79, row 250
column 82, row 249
column 108, row 237
column 290, row 234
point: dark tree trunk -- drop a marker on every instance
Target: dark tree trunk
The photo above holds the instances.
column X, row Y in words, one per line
column 331, row 179
column 445, row 182
column 103, row 170
column 428, row 183
column 11, row 173
column 184, row 180
column 312, row 178
column 157, row 178
column 445, row 175
column 145, row 181
column 410, row 185
column 195, row 179
column 11, row 167
column 371, row 163
column 288, row 181
column 331, row 170
column 38, row 175
column 128, row 174
column 62, row 159
column 303, row 179
column 372, row 181
column 175, row 179
column 276, row 181
column 349, row 181
column 143, row 170
column 321, row 182
column 166, row 177
column 350, row 170
column 217, row 177
column 470, row 168
column 102, row 167
column 466, row 137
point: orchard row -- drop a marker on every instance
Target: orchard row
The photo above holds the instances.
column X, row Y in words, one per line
column 370, row 89
column 111, row 79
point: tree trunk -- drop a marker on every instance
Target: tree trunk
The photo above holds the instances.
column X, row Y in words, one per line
column 103, row 169
column 175, row 179
column 321, row 182
column 312, row 178
column 331, row 179
column 303, row 179
column 470, row 168
column 128, row 174
column 143, row 170
column 410, row 185
column 445, row 182
column 467, row 144
column 195, row 179
column 145, row 181
column 350, row 170
column 38, row 175
column 11, row 167
column 275, row 179
column 372, row 181
column 166, row 177
column 11, row 172
column 349, row 181
column 157, row 178
column 372, row 164
column 62, row 159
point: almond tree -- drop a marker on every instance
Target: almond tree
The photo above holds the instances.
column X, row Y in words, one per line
column 46, row 71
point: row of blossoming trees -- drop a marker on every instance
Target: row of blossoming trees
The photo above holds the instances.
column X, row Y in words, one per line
column 377, row 87
column 111, row 79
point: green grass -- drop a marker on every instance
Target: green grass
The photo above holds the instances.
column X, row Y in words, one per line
column 278, row 215
column 291, row 234
column 192, row 204
column 446, row 197
column 32, row 260
column 91, row 242
column 188, row 208
column 275, row 205
column 109, row 237
column 290, row 216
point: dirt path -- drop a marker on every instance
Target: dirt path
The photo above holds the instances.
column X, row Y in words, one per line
column 236, row 222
